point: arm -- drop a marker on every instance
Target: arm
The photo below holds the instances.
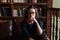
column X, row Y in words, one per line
column 39, row 30
column 30, row 38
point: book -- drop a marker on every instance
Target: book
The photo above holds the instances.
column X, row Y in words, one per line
column 38, row 1
column 11, row 1
column 15, row 1
column 19, row 1
column 40, row 11
column 41, row 1
column 4, row 1
column 15, row 12
column 32, row 1
column 5, row 11
column 18, row 13
column 29, row 1
column 23, row 9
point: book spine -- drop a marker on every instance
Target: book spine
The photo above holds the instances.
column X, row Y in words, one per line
column 32, row 1
column 19, row 1
column 29, row 1
column 15, row 1
column 23, row 11
column 4, row 1
column 44, row 1
column 15, row 12
column 22, row 1
column 6, row 11
column 18, row 12
column 35, row 1
column 38, row 1
column 11, row 1
column 40, row 11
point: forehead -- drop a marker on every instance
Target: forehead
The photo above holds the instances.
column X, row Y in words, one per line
column 31, row 10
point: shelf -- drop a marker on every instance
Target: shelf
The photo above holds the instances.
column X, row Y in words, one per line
column 25, row 4
column 5, row 17
column 9, row 17
column 18, row 17
column 5, row 4
column 21, row 5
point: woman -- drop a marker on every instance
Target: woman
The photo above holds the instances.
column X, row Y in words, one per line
column 31, row 26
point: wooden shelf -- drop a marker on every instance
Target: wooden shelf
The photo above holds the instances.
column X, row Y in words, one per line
column 22, row 5
column 5, row 4
column 25, row 4
column 18, row 17
column 9, row 17
column 5, row 17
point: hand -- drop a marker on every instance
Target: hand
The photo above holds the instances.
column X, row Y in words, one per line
column 30, row 38
column 35, row 20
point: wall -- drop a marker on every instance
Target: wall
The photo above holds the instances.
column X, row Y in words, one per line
column 56, row 3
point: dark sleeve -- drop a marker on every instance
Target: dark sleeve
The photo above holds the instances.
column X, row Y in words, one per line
column 25, row 32
column 40, row 23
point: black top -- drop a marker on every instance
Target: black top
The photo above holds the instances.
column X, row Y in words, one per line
column 30, row 30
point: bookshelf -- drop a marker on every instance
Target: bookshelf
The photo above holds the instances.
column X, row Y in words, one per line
column 15, row 9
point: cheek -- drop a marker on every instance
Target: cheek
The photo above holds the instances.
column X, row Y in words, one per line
column 33, row 15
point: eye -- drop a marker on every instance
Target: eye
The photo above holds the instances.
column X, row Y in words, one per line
column 31, row 12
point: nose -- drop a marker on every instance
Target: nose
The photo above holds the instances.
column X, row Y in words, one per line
column 31, row 14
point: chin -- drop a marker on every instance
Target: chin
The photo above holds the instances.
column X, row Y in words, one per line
column 31, row 19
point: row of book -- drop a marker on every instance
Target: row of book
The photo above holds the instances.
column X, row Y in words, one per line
column 20, row 11
column 24, row 1
column 6, row 11
column 5, row 1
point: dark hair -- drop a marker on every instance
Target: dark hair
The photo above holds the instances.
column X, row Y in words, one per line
column 26, row 11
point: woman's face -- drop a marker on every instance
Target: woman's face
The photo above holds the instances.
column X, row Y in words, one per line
column 31, row 14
